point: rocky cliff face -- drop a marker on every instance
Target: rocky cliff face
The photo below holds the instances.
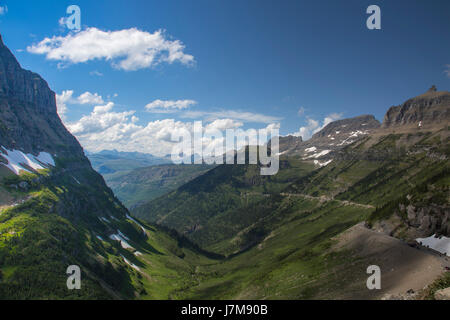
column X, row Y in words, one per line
column 412, row 221
column 289, row 144
column 427, row 110
column 429, row 220
column 28, row 119
column 22, row 84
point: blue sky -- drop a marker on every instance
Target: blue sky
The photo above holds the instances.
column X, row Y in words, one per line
column 246, row 63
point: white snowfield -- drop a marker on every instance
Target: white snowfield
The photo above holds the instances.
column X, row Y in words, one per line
column 131, row 264
column 357, row 133
column 441, row 244
column 312, row 149
column 322, row 164
column 122, row 235
column 131, row 218
column 104, row 219
column 318, row 155
column 353, row 134
column 121, row 238
column 19, row 161
column 76, row 180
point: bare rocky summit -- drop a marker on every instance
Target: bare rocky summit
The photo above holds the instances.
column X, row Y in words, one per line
column 333, row 137
column 427, row 110
column 341, row 128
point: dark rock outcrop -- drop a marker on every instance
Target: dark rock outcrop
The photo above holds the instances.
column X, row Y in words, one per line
column 429, row 220
column 28, row 118
column 289, row 143
column 23, row 85
column 429, row 109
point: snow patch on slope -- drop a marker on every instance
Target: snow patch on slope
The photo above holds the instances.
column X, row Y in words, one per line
column 19, row 161
column 322, row 164
column 441, row 244
column 130, row 264
column 319, row 154
column 104, row 219
column 309, row 150
column 131, row 218
column 121, row 238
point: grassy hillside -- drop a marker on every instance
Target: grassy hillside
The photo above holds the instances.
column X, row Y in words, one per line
column 278, row 232
column 293, row 261
column 387, row 171
column 62, row 223
column 45, row 233
column 145, row 184
column 221, row 203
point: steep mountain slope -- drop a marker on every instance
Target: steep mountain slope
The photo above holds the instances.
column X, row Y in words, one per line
column 224, row 209
column 409, row 158
column 429, row 110
column 280, row 232
column 225, row 201
column 56, row 211
column 335, row 136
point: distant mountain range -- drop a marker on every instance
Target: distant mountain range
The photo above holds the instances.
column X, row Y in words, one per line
column 112, row 161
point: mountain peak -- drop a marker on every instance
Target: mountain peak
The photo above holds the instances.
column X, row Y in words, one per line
column 429, row 109
column 28, row 118
column 359, row 123
column 432, row 89
column 23, row 85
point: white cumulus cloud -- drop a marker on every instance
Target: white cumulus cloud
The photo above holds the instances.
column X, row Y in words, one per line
column 128, row 49
column 66, row 97
column 223, row 124
column 62, row 100
column 90, row 98
column 313, row 126
column 169, row 106
column 232, row 114
column 104, row 128
column 101, row 119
